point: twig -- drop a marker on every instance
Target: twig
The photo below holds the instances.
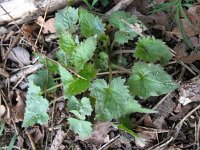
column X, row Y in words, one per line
column 114, row 72
column 45, row 14
column 121, row 5
column 31, row 140
column 109, row 143
column 121, row 52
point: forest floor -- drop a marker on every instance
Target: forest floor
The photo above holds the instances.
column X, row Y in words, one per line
column 27, row 48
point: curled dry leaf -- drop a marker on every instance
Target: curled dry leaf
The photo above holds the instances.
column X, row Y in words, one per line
column 18, row 109
column 99, row 133
column 49, row 25
column 193, row 14
column 2, row 110
column 190, row 92
column 4, row 73
column 182, row 55
column 20, row 55
column 57, row 142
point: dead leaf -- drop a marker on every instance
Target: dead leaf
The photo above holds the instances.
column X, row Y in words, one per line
column 148, row 121
column 178, row 108
column 190, row 92
column 19, row 108
column 4, row 73
column 48, row 26
column 145, row 139
column 2, row 110
column 20, row 55
column 188, row 29
column 182, row 55
column 57, row 142
column 99, row 133
column 37, row 135
column 193, row 14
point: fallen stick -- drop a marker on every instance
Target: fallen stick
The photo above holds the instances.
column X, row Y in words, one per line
column 23, row 11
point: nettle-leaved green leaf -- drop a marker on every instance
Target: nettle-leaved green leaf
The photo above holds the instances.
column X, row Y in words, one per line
column 150, row 80
column 122, row 21
column 67, row 43
column 149, row 49
column 36, row 107
column 66, row 79
column 42, row 79
column 66, row 19
column 84, row 52
column 89, row 24
column 81, row 127
column 80, row 109
column 79, row 85
column 112, row 100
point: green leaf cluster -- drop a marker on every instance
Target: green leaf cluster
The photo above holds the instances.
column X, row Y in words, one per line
column 36, row 107
column 80, row 110
column 78, row 60
column 150, row 80
column 149, row 49
column 122, row 20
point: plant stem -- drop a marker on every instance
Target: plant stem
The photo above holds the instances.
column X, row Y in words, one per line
column 120, row 68
column 121, row 52
column 52, row 88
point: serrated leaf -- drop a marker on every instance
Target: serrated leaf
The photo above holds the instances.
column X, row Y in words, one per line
column 117, row 19
column 122, row 21
column 80, row 109
column 113, row 100
column 150, row 49
column 84, row 53
column 150, row 80
column 79, row 85
column 50, row 65
column 102, row 61
column 66, row 19
column 67, row 43
column 66, row 79
column 42, row 79
column 36, row 107
column 81, row 127
column 122, row 37
column 89, row 24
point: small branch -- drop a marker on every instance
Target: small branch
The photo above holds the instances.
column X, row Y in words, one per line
column 120, row 6
column 121, row 52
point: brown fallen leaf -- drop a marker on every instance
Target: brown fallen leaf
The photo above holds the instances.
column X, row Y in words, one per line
column 99, row 133
column 182, row 55
column 193, row 14
column 4, row 73
column 19, row 108
column 57, row 142
column 2, row 110
column 190, row 92
column 20, row 55
column 48, row 26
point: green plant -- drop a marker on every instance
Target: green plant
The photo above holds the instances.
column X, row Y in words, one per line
column 178, row 8
column 84, row 43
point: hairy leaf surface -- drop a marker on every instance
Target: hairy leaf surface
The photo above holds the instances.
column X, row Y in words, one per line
column 81, row 127
column 42, row 79
column 66, row 19
column 150, row 80
column 89, row 24
column 80, row 109
column 150, row 49
column 36, row 107
column 84, row 52
column 113, row 100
